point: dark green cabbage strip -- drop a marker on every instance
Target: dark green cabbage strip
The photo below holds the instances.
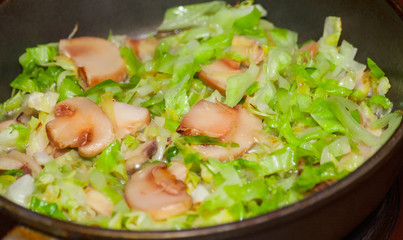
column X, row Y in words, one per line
column 41, row 72
column 49, row 209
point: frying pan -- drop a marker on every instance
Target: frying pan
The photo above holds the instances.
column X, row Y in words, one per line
column 375, row 27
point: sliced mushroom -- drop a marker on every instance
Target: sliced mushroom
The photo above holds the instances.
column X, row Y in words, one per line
column 244, row 131
column 6, row 124
column 134, row 159
column 54, row 151
column 216, row 74
column 97, row 201
column 312, row 48
column 209, row 119
column 144, row 48
column 8, row 162
column 179, row 170
column 80, row 123
column 18, row 160
column 248, row 48
column 231, row 63
column 97, row 59
column 156, row 191
column 129, row 118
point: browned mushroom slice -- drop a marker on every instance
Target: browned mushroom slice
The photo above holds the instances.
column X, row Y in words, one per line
column 97, row 201
column 216, row 74
column 312, row 48
column 179, row 170
column 97, row 59
column 18, row 160
column 80, row 123
column 156, row 191
column 8, row 162
column 209, row 119
column 129, row 118
column 144, row 48
column 245, row 132
column 248, row 48
column 231, row 63
column 134, row 159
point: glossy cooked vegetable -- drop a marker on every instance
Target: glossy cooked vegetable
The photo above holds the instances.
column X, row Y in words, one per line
column 218, row 117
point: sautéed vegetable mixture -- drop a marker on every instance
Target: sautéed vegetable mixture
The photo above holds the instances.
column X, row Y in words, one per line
column 216, row 117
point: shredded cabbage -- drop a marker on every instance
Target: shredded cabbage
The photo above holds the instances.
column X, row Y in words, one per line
column 322, row 113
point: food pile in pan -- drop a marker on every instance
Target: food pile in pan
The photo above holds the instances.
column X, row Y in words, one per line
column 217, row 117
